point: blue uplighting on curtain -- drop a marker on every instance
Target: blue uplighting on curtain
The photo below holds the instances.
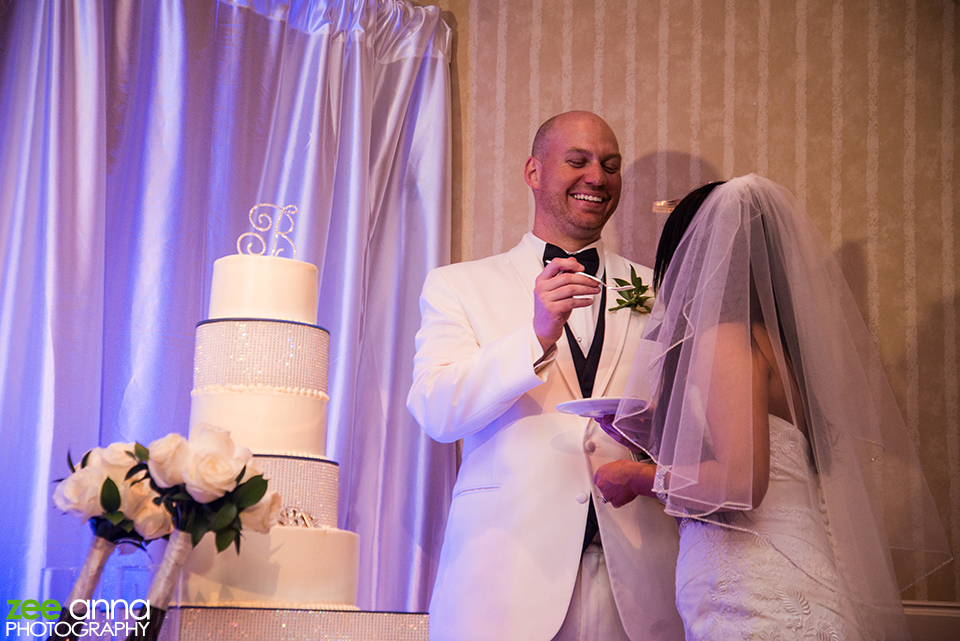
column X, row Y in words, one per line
column 136, row 137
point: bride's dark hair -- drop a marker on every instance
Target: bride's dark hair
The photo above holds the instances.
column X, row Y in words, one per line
column 674, row 228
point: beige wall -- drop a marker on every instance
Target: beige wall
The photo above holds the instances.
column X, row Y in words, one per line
column 852, row 104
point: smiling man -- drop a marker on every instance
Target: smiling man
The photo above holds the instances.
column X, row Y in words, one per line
column 530, row 553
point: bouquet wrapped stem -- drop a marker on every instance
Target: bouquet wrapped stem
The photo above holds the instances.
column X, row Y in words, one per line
column 100, row 550
column 163, row 584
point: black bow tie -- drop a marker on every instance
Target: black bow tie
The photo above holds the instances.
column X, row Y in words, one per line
column 589, row 258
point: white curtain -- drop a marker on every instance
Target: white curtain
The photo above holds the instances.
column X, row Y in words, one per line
column 135, row 137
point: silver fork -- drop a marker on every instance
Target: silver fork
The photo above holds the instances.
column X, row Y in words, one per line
column 612, row 288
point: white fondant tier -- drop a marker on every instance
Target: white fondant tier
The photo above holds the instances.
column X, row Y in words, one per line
column 265, row 421
column 253, row 286
column 290, row 567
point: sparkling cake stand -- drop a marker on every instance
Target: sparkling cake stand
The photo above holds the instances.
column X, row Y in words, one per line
column 228, row 624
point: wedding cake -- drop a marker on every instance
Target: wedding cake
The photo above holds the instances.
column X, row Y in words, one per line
column 260, row 372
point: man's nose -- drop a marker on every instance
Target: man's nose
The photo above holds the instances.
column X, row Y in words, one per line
column 595, row 174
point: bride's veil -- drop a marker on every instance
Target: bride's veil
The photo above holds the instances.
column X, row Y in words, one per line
column 750, row 256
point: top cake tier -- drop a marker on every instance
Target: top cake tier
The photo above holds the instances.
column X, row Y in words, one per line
column 252, row 286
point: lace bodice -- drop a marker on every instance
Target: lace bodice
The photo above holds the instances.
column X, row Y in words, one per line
column 769, row 574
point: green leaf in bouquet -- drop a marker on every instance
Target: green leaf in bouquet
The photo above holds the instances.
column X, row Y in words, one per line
column 180, row 496
column 115, row 518
column 240, row 475
column 109, row 496
column 70, row 463
column 141, row 452
column 249, row 494
column 86, row 457
column 188, row 520
column 136, row 469
column 225, row 517
column 197, row 531
column 226, row 537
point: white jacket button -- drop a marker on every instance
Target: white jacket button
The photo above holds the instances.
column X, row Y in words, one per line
column 590, row 446
column 582, row 497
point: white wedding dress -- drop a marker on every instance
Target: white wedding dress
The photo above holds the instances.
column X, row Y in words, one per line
column 733, row 584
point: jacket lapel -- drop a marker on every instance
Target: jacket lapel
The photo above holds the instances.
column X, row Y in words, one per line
column 617, row 323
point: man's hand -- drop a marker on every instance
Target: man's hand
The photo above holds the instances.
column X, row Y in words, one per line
column 554, row 298
column 622, row 481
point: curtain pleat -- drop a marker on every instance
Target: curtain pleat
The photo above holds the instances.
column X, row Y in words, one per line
column 137, row 136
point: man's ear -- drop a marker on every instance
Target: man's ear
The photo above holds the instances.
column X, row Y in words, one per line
column 531, row 173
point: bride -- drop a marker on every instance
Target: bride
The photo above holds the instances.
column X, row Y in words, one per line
column 774, row 434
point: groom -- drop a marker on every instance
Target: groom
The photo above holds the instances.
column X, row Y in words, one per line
column 530, row 552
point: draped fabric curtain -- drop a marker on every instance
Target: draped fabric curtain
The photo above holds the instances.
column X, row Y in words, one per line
column 136, row 136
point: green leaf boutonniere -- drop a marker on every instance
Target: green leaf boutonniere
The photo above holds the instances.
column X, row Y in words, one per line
column 637, row 298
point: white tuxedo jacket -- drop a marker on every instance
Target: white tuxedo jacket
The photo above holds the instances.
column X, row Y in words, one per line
column 512, row 545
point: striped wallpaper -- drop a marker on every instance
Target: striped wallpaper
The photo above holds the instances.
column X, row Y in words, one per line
column 849, row 103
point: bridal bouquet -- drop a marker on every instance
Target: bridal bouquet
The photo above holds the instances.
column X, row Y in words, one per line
column 207, row 484
column 110, row 491
column 177, row 489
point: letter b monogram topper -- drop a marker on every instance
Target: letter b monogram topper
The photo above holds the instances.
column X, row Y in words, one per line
column 263, row 222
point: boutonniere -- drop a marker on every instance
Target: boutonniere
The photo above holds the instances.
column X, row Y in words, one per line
column 636, row 298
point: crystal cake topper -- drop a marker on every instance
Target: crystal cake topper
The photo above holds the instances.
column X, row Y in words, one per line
column 263, row 222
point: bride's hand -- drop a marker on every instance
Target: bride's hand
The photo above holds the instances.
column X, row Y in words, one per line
column 638, row 425
column 622, row 481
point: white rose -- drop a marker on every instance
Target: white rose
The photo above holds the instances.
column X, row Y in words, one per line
column 152, row 521
column 216, row 463
column 263, row 515
column 115, row 460
column 79, row 493
column 210, row 439
column 169, row 457
column 211, row 476
column 133, row 496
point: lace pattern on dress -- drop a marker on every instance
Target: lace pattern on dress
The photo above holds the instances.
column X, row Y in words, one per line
column 733, row 584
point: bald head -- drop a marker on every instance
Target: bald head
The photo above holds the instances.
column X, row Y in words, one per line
column 549, row 127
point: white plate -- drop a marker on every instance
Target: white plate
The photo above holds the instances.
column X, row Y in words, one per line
column 599, row 407
column 590, row 407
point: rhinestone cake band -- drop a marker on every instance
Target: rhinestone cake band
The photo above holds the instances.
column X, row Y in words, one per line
column 235, row 624
column 261, row 353
column 306, row 485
